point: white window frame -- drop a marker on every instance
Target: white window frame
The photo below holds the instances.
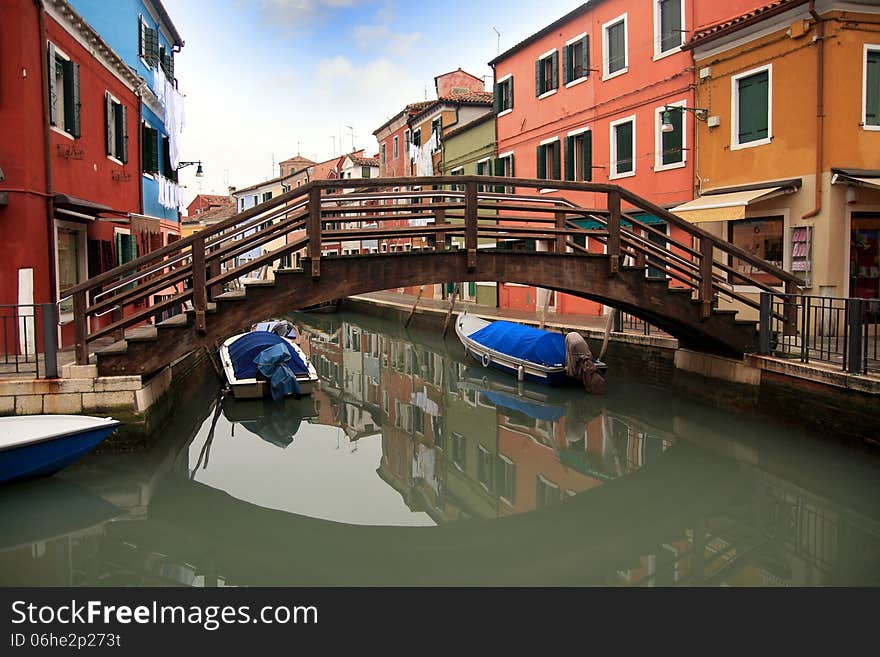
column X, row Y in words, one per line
column 658, row 138
column 606, row 75
column 61, row 130
column 869, row 47
column 115, row 101
column 612, row 172
column 541, row 58
column 586, row 75
column 396, row 147
column 547, row 142
column 502, row 80
column 658, row 38
column 734, row 108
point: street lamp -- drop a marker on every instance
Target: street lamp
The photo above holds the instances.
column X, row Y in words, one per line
column 700, row 113
column 199, row 172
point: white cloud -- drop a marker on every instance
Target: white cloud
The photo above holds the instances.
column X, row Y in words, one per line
column 380, row 35
column 303, row 12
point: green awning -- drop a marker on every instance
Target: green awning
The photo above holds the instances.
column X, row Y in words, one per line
column 643, row 217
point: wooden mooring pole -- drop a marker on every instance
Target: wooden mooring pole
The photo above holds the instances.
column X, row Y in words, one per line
column 413, row 311
column 451, row 308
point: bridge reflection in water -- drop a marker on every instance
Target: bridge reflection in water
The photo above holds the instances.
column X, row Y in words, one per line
column 527, row 486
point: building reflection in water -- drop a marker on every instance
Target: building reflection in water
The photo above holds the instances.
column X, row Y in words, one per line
column 458, row 443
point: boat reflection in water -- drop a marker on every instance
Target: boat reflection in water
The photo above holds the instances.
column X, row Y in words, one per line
column 411, row 466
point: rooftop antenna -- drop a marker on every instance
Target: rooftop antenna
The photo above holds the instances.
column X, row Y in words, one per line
column 352, row 137
column 499, row 39
column 333, row 152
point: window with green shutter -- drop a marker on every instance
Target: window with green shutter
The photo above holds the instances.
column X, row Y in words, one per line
column 150, row 147
column 550, row 161
column 672, row 142
column 670, row 23
column 624, row 148
column 753, row 107
column 149, row 43
column 168, row 171
column 615, row 47
column 872, row 88
column 547, row 73
column 503, row 97
column 116, row 128
column 579, row 157
column 576, row 60
column 64, row 93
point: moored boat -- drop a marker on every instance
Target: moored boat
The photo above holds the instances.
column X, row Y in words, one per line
column 259, row 364
column 526, row 352
column 39, row 445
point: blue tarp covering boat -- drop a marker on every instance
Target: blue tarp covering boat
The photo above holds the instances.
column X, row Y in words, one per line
column 546, row 412
column 244, row 352
column 523, row 342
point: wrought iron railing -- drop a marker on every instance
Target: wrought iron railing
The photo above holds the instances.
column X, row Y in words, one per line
column 840, row 331
column 429, row 213
column 29, row 340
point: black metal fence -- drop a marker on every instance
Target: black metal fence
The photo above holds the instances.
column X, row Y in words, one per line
column 29, row 339
column 834, row 330
column 624, row 322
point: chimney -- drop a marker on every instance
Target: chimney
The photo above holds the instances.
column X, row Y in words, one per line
column 231, row 191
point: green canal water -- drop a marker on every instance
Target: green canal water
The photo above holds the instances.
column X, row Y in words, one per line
column 414, row 466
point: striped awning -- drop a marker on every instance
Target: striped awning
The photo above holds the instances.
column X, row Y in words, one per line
column 724, row 207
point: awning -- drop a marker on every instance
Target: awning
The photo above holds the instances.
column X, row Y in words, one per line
column 860, row 178
column 77, row 209
column 724, row 207
column 642, row 217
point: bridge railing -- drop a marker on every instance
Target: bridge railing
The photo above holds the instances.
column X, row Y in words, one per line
column 392, row 216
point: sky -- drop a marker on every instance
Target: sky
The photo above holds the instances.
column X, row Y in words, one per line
column 267, row 79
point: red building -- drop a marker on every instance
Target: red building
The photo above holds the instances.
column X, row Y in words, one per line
column 69, row 154
column 203, row 202
column 584, row 99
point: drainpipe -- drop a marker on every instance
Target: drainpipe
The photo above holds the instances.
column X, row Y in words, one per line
column 820, row 106
column 50, row 202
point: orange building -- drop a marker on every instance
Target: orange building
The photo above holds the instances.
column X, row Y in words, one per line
column 789, row 155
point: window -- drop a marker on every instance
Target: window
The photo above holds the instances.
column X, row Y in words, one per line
column 365, row 172
column 547, row 73
column 168, row 64
column 149, row 43
column 484, row 467
column 752, row 108
column 407, row 140
column 396, row 147
column 459, row 451
column 615, row 47
column 656, row 268
column 64, row 101
column 579, row 156
column 437, row 127
column 668, row 26
column 116, row 126
column 150, row 149
column 457, row 172
column 126, row 247
column 504, row 169
column 670, row 145
column 546, row 492
column 267, row 196
column 384, row 157
column 484, row 168
column 871, row 104
column 763, row 238
column 71, row 262
column 503, row 97
column 417, row 138
column 623, row 148
column 576, row 59
column 549, row 161
column 170, row 171
column 505, row 479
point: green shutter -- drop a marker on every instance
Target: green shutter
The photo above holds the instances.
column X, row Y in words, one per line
column 108, row 122
column 77, row 104
column 120, row 126
column 569, row 158
column 616, row 47
column 539, row 78
column 670, row 24
column 509, row 84
column 754, row 98
column 71, row 98
column 586, row 55
column 151, row 149
column 587, row 155
column 141, row 44
column 567, row 65
column 151, row 46
column 53, row 91
column 872, row 92
column 512, row 169
column 556, row 154
column 542, row 163
column 123, row 136
column 499, row 166
column 496, row 99
column 672, row 141
column 624, row 147
column 554, row 67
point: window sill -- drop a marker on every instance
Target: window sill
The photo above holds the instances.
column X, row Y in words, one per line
column 609, row 76
column 504, row 113
column 547, row 190
column 547, row 94
column 751, row 144
column 871, row 128
column 668, row 53
column 670, row 167
column 618, row 176
column 115, row 161
column 62, row 132
column 574, row 83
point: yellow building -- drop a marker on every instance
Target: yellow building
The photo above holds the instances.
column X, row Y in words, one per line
column 788, row 147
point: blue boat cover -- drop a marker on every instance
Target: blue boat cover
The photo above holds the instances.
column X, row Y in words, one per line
column 244, row 351
column 529, row 409
column 523, row 342
column 272, row 363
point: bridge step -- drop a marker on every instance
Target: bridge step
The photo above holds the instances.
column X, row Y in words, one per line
column 178, row 321
column 234, row 295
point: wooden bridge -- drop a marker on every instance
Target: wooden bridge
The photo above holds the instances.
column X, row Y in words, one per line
column 463, row 229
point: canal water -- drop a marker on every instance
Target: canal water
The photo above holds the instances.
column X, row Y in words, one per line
column 413, row 466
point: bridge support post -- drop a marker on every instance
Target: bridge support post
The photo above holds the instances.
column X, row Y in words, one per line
column 560, row 238
column 314, row 231
column 80, row 327
column 854, row 356
column 613, row 246
column 200, row 291
column 440, row 220
column 470, row 224
column 707, row 251
column 790, row 309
